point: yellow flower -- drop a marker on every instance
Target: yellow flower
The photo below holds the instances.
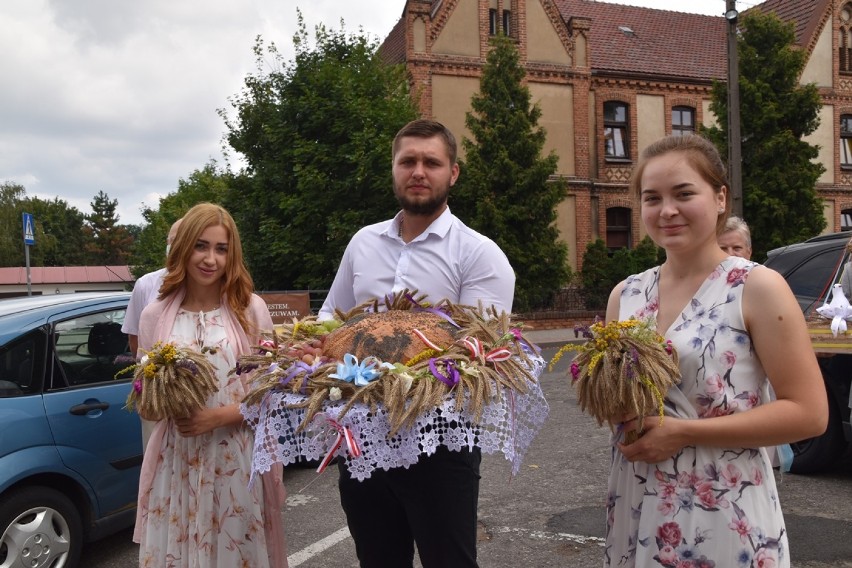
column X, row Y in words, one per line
column 169, row 353
column 425, row 354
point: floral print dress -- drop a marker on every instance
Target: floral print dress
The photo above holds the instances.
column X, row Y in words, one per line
column 201, row 512
column 705, row 507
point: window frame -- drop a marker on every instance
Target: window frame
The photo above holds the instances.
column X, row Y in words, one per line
column 625, row 231
column 844, row 142
column 680, row 129
column 612, row 126
column 493, row 22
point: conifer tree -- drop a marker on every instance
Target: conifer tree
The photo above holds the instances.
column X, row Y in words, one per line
column 779, row 168
column 504, row 189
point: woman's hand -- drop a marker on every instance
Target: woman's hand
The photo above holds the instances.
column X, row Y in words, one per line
column 202, row 421
column 657, row 442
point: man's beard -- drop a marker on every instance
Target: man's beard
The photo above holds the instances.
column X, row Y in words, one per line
column 421, row 207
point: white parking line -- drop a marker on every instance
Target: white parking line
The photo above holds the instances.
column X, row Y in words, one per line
column 543, row 535
column 316, row 548
column 321, row 545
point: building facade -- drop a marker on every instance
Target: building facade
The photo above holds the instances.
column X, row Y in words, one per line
column 610, row 79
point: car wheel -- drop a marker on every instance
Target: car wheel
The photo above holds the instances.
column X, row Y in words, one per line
column 815, row 455
column 40, row 527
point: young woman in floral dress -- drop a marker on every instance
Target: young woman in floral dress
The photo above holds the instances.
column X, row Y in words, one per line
column 697, row 488
column 196, row 508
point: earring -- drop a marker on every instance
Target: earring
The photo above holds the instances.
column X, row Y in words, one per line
column 721, row 210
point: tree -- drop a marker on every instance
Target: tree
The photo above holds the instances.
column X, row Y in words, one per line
column 209, row 184
column 316, row 134
column 109, row 243
column 780, row 202
column 59, row 239
column 503, row 190
column 602, row 271
column 12, row 196
column 60, row 236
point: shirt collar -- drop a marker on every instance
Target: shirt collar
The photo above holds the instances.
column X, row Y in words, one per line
column 439, row 226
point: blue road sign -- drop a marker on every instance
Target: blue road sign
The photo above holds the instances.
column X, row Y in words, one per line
column 29, row 229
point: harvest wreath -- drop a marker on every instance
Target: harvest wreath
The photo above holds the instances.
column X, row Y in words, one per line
column 623, row 369
column 402, row 353
column 170, row 382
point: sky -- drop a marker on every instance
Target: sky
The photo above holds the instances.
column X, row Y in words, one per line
column 121, row 96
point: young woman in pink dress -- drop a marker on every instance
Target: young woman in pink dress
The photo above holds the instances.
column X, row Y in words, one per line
column 196, row 508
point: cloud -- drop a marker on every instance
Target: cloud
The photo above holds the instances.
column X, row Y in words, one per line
column 121, row 97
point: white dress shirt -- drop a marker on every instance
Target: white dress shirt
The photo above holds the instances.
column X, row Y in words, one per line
column 145, row 291
column 449, row 260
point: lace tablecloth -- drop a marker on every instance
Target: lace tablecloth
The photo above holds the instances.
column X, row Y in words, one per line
column 508, row 425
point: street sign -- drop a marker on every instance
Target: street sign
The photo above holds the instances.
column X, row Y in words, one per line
column 29, row 229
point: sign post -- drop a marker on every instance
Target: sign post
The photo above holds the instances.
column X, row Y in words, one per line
column 29, row 240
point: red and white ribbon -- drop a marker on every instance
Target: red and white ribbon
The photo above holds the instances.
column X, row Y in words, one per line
column 476, row 349
column 344, row 434
column 498, row 354
column 474, row 346
column 426, row 340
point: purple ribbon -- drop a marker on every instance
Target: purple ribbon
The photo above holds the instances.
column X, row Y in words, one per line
column 295, row 370
column 451, row 379
column 436, row 311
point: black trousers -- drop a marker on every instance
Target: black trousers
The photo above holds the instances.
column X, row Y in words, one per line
column 432, row 503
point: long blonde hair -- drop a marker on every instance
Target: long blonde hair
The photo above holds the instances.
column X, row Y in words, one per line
column 237, row 285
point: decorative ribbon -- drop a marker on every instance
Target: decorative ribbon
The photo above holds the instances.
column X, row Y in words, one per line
column 426, row 340
column 344, row 434
column 296, row 369
column 352, row 371
column 476, row 349
column 438, row 312
column 451, row 379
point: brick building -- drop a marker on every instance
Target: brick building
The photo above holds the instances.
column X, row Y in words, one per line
column 610, row 79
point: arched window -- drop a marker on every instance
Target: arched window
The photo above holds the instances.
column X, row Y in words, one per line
column 845, row 47
column 617, row 228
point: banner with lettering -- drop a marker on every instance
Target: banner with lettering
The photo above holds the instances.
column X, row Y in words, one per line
column 283, row 307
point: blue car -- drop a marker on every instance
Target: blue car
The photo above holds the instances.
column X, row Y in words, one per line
column 70, row 453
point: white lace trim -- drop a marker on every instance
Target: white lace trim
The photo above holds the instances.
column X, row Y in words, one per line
column 508, row 425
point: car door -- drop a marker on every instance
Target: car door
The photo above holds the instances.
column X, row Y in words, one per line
column 94, row 434
column 25, row 437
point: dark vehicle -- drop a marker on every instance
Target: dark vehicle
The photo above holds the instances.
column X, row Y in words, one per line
column 70, row 454
column 811, row 268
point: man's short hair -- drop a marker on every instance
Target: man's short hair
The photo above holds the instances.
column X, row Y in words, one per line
column 425, row 128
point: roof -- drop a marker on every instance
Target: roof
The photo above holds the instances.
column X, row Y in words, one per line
column 662, row 42
column 634, row 40
column 65, row 274
column 392, row 49
column 806, row 16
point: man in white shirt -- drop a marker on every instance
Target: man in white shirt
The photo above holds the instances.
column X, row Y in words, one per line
column 145, row 291
column 427, row 249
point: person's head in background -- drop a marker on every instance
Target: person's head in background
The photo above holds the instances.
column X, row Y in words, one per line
column 170, row 238
column 735, row 239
